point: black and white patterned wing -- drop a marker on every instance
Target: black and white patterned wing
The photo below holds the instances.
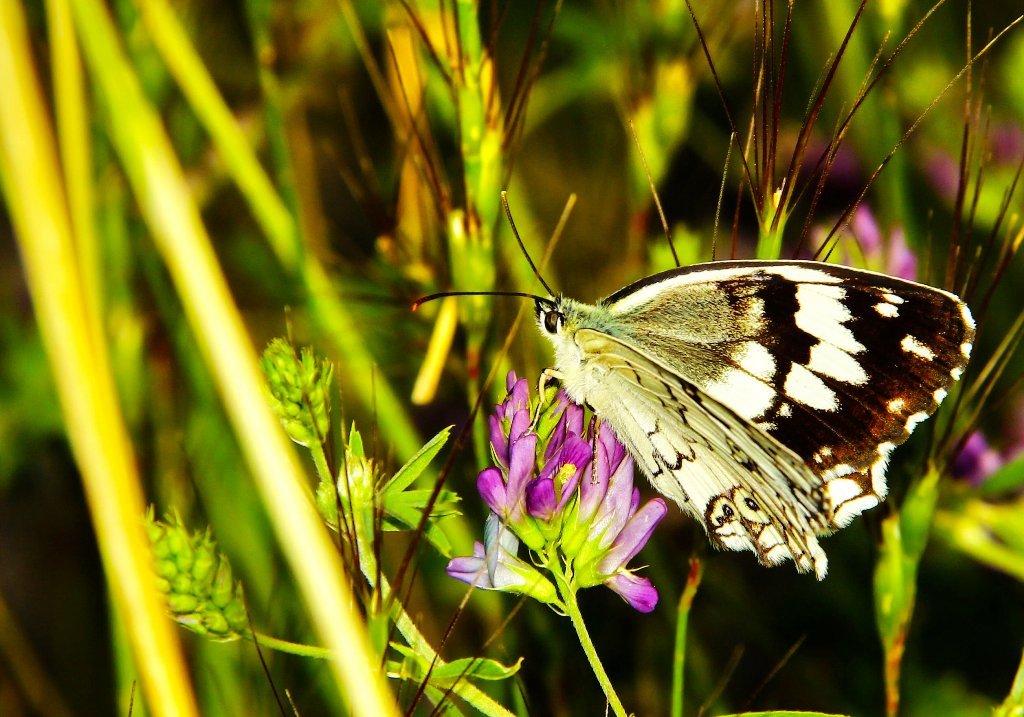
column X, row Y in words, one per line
column 838, row 364
column 749, row 491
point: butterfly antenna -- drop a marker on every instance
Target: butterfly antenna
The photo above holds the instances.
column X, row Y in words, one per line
column 654, row 193
column 511, row 223
column 445, row 294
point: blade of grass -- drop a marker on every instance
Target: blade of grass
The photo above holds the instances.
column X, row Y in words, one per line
column 160, row 187
column 33, row 185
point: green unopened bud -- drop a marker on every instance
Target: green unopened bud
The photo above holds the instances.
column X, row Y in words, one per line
column 357, row 479
column 196, row 580
column 300, row 391
column 531, row 582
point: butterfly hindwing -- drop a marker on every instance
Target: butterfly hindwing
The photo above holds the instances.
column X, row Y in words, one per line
column 749, row 491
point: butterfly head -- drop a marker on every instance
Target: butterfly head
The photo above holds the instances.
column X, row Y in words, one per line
column 559, row 319
column 550, row 316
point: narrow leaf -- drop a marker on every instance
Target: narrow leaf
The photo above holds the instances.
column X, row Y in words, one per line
column 417, row 464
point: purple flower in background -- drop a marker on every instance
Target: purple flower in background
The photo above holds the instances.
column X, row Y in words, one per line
column 977, row 460
column 1007, row 142
column 943, row 173
column 891, row 254
column 865, row 228
column 566, row 492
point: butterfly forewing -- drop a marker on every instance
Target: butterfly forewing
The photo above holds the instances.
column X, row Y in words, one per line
column 785, row 383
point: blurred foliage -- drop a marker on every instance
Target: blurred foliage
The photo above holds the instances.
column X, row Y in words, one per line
column 347, row 156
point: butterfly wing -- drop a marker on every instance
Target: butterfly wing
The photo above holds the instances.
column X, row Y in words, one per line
column 837, row 364
column 749, row 491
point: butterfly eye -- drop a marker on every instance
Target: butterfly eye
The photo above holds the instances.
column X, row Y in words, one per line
column 553, row 321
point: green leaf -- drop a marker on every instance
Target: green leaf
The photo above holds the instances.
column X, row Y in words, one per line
column 480, row 668
column 916, row 515
column 444, row 674
column 446, row 503
column 417, row 464
column 355, row 443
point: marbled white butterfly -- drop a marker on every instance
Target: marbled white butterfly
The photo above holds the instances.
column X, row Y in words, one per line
column 764, row 397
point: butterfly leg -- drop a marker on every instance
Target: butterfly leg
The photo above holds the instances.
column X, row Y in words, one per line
column 545, row 376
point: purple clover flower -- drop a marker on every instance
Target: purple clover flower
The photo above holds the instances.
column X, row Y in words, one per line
column 567, row 492
column 496, row 567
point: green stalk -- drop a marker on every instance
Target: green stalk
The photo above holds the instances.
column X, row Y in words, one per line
column 292, row 648
column 471, row 232
column 572, row 609
column 904, row 537
column 407, row 627
column 682, row 621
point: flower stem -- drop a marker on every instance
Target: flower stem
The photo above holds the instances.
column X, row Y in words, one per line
column 407, row 627
column 682, row 620
column 572, row 609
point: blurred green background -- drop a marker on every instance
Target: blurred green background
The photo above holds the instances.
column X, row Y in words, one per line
column 383, row 134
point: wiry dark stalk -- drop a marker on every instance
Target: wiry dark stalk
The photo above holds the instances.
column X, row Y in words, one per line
column 966, row 145
column 759, row 70
column 498, row 631
column 818, row 176
column 762, row 179
column 780, row 84
column 513, row 106
column 775, row 670
column 368, row 192
column 807, row 126
column 515, row 126
column 492, row 44
column 736, row 219
column 727, row 673
column 832, row 150
column 654, row 194
column 848, row 212
column 377, row 79
column 1009, row 249
column 721, row 196
column 979, row 393
column 263, row 663
column 720, row 90
column 417, row 25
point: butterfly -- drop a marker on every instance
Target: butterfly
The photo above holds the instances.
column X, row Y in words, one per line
column 763, row 397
